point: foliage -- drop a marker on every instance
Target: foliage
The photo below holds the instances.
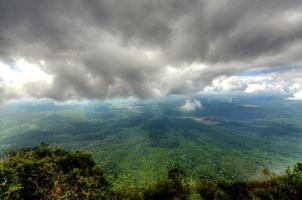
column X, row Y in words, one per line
column 45, row 173
column 171, row 188
column 287, row 186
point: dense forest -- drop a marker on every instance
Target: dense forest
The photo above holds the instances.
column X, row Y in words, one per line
column 136, row 142
column 45, row 172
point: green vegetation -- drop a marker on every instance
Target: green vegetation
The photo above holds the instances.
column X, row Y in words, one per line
column 135, row 143
column 43, row 172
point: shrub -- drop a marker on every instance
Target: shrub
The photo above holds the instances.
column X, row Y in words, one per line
column 45, row 173
column 173, row 188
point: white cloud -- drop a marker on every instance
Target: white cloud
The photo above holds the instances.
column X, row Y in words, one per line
column 296, row 96
column 191, row 105
column 18, row 80
column 256, row 84
column 256, row 87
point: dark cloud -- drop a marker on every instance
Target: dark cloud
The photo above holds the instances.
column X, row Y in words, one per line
column 112, row 48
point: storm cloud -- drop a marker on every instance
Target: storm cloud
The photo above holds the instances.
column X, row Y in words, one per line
column 101, row 49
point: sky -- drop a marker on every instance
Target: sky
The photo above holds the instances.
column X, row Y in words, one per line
column 103, row 49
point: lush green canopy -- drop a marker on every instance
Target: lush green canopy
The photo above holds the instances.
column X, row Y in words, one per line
column 43, row 172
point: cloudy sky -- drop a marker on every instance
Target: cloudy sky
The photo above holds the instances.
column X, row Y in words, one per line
column 102, row 49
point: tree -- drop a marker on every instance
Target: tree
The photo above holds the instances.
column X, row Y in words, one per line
column 43, row 172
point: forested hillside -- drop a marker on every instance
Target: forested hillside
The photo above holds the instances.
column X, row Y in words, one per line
column 45, row 172
column 230, row 139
